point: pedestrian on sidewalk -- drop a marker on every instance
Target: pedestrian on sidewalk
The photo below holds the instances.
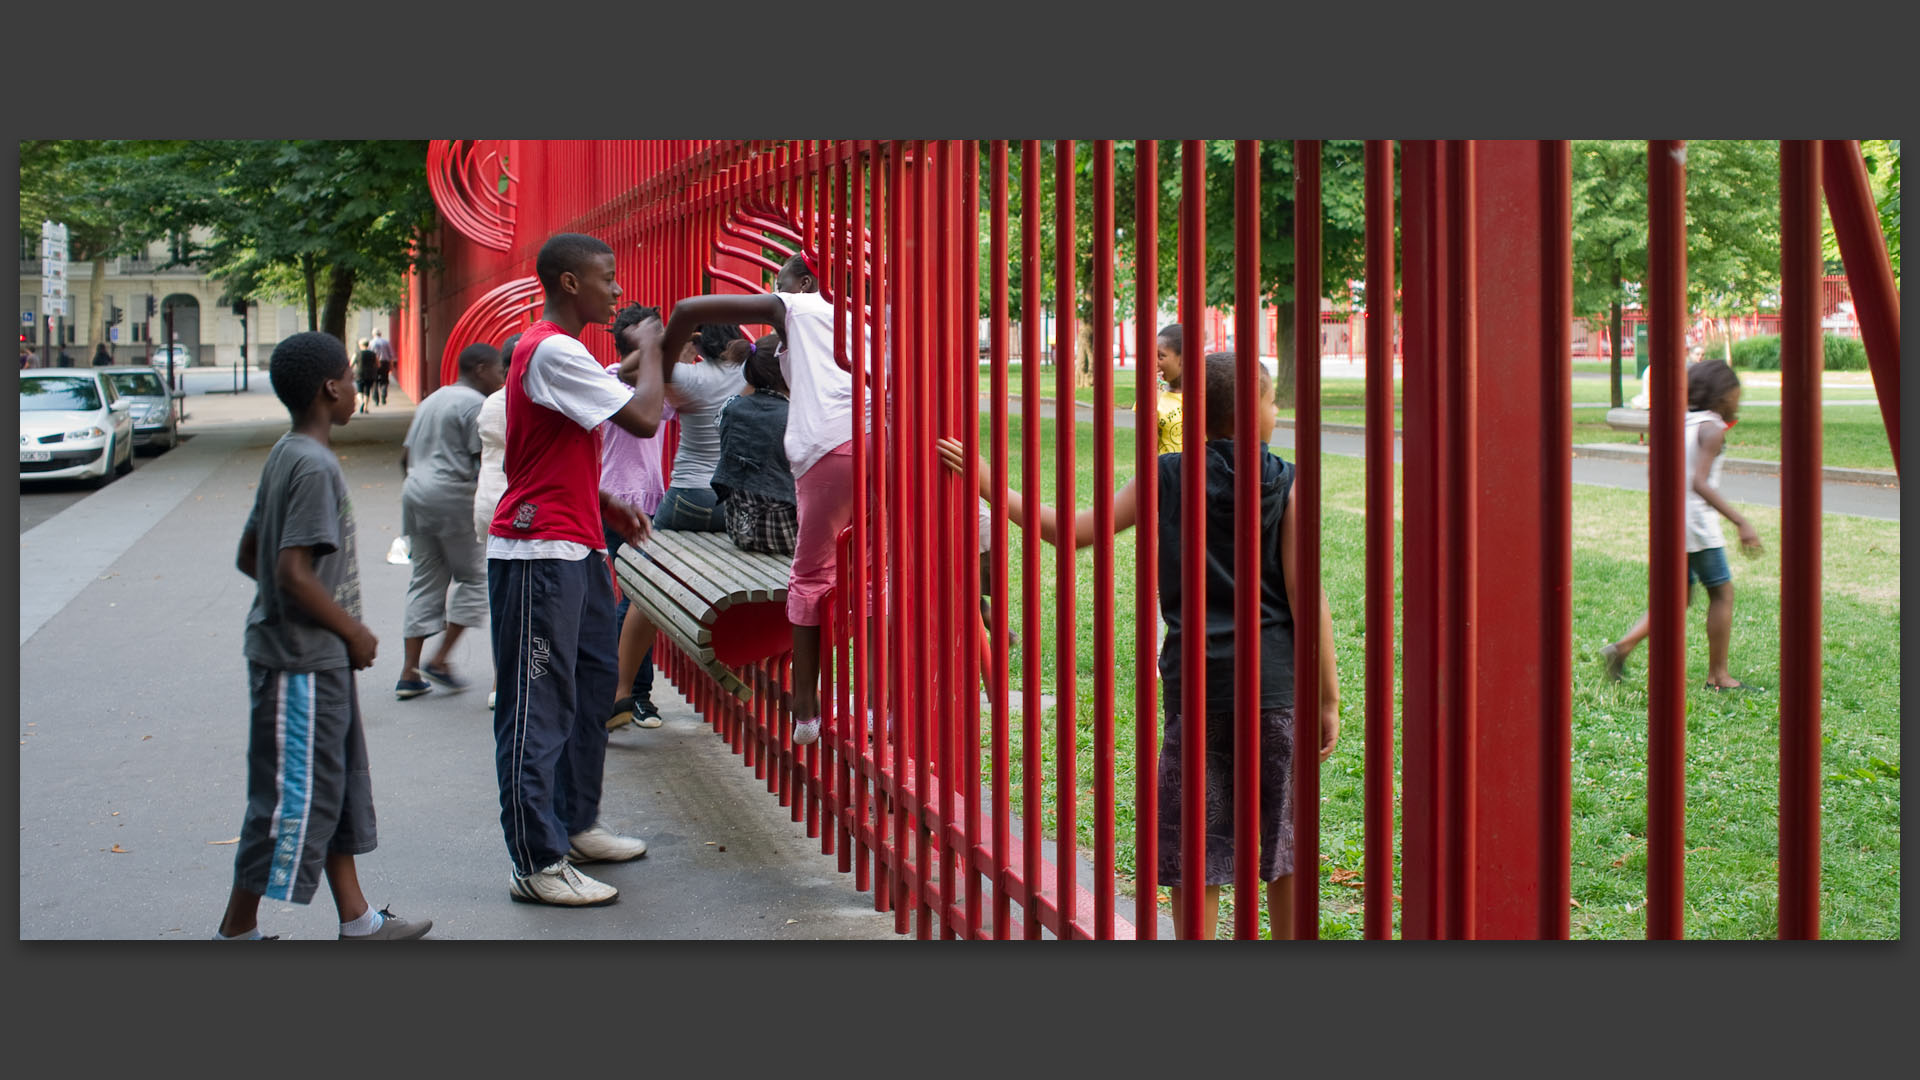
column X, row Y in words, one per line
column 384, row 365
column 630, row 470
column 365, row 367
column 441, row 463
column 549, row 582
column 101, row 357
column 309, row 797
column 1713, row 404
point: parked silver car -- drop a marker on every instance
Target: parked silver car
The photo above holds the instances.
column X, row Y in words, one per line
column 72, row 424
column 155, row 420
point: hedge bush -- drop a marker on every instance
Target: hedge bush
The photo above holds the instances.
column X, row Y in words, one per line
column 1763, row 353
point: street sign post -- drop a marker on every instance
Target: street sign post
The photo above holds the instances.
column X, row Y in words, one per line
column 54, row 301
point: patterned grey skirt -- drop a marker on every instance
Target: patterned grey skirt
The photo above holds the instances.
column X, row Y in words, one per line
column 1276, row 797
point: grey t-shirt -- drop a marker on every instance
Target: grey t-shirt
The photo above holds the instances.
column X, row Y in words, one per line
column 698, row 391
column 443, row 453
column 301, row 502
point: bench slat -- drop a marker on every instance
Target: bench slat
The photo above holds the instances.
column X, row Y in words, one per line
column 647, row 574
column 772, row 570
column 741, row 588
column 695, row 579
column 667, row 617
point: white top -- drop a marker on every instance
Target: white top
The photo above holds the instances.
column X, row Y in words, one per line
column 1703, row 521
column 563, row 376
column 492, row 483
column 821, row 414
column 698, row 391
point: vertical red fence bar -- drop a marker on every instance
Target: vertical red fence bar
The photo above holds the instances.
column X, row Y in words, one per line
column 1030, row 533
column 1248, row 452
column 899, row 203
column 1801, row 351
column 945, row 715
column 1193, row 542
column 1459, row 594
column 1667, row 662
column 1102, row 360
column 1554, row 878
column 1065, row 427
column 1863, row 250
column 921, row 686
column 1377, row 917
column 1146, row 472
column 1306, row 572
column 865, row 697
column 997, row 255
column 882, row 658
column 967, row 385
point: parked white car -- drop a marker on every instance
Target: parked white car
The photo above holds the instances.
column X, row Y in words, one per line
column 182, row 357
column 155, row 421
column 73, row 424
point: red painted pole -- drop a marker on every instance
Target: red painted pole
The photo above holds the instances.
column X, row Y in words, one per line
column 1305, row 505
column 1667, row 662
column 1102, row 360
column 941, row 494
column 1463, row 630
column 966, row 389
column 1863, row 250
column 866, row 697
column 899, row 198
column 1801, row 354
column 1249, row 454
column 885, row 608
column 1030, row 534
column 1146, row 536
column 1193, row 540
column 997, row 256
column 925, row 608
column 1556, row 433
column 1378, row 896
column 1065, row 417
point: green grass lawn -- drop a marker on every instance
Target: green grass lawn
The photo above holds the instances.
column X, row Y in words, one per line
column 1732, row 763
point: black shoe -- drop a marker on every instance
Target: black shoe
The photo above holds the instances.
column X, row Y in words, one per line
column 646, row 714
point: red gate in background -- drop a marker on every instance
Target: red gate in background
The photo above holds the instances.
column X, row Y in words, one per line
column 911, row 783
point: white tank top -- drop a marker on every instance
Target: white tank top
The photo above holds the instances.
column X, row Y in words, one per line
column 1703, row 521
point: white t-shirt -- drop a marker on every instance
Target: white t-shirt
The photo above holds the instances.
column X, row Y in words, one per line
column 1703, row 521
column 698, row 391
column 492, row 422
column 563, row 376
column 821, row 414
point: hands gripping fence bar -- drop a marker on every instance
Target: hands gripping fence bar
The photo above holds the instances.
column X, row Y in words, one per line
column 896, row 790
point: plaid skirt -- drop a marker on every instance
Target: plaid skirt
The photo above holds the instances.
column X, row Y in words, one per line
column 1276, row 798
column 757, row 523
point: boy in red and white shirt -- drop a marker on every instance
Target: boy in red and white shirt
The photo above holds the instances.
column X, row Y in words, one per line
column 548, row 581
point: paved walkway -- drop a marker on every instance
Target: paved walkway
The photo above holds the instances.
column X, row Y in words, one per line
column 133, row 733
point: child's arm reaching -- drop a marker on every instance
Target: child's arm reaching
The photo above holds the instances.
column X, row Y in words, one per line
column 1711, row 440
column 1126, row 503
column 1329, row 674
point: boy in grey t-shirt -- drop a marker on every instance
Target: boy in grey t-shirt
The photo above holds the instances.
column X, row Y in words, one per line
column 309, row 791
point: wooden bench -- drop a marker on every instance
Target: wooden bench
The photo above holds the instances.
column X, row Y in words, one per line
column 722, row 606
column 1630, row 420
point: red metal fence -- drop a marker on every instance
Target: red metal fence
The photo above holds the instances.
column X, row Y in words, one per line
column 912, row 785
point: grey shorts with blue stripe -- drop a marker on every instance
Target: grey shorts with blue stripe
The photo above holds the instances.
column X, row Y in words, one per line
column 309, row 791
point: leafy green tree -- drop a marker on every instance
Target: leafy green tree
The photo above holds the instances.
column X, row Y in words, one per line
column 1733, row 228
column 331, row 213
column 66, row 181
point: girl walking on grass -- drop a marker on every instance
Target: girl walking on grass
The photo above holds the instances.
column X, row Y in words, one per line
column 1713, row 404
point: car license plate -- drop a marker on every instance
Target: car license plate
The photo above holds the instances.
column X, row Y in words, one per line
column 36, row 455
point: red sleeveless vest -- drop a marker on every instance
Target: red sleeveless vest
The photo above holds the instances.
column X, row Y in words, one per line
column 553, row 464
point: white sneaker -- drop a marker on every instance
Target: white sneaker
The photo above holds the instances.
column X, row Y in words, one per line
column 562, row 885
column 600, row 844
column 491, row 694
column 806, row 732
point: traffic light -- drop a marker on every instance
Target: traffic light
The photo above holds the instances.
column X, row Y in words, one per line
column 114, row 314
column 150, row 305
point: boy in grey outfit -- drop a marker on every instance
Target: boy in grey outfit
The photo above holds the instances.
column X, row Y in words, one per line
column 309, row 791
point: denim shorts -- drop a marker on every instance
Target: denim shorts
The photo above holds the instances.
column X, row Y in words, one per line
column 1708, row 567
column 690, row 510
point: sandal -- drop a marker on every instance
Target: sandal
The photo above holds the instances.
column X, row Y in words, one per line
column 1734, row 689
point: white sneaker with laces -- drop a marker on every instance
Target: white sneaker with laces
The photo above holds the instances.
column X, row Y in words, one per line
column 601, row 844
column 564, row 886
column 806, row 732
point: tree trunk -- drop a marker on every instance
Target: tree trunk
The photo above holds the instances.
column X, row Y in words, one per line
column 1283, row 347
column 1613, row 317
column 1083, row 358
column 313, row 298
column 339, row 295
column 97, row 301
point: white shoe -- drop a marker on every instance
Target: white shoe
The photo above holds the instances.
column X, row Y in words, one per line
column 562, row 885
column 806, row 732
column 491, row 694
column 600, row 844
